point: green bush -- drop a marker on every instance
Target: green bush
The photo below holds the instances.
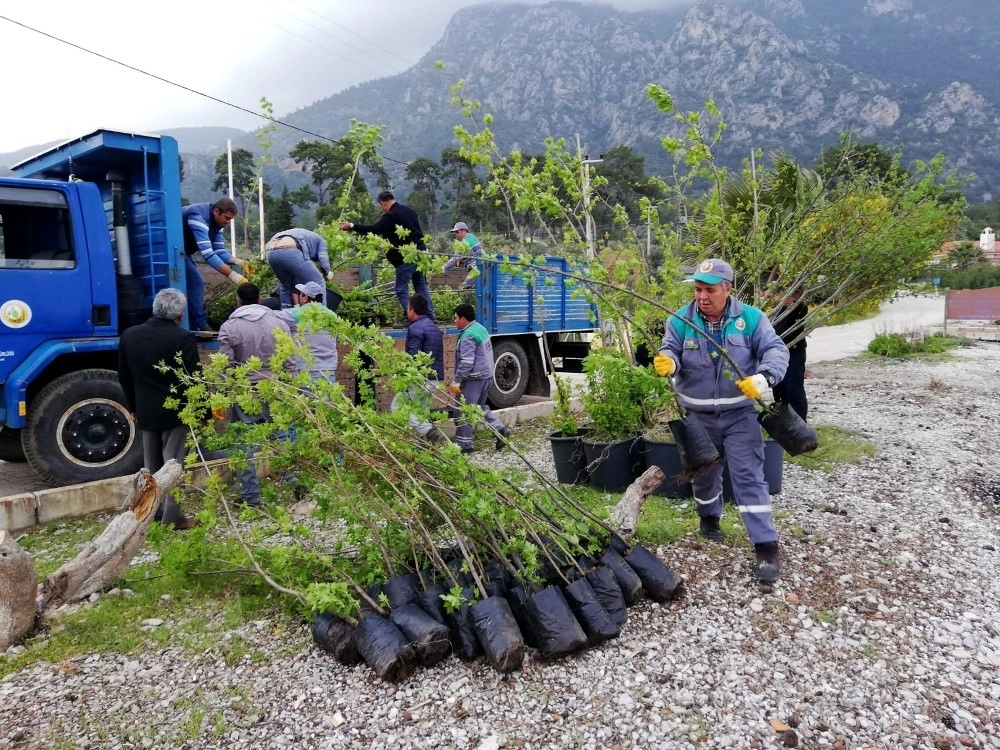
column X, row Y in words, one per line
column 898, row 346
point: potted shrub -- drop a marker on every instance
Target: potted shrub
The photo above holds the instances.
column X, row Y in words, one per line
column 567, row 437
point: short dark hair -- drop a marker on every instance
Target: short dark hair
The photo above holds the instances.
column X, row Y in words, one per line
column 467, row 311
column 248, row 293
column 226, row 206
column 418, row 303
column 385, row 195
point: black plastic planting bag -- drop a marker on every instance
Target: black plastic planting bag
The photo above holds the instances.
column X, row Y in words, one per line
column 402, row 589
column 556, row 628
column 697, row 451
column 498, row 633
column 517, row 597
column 658, row 580
column 430, row 601
column 592, row 616
column 384, row 648
column 609, row 593
column 333, row 635
column 628, row 581
column 463, row 633
column 788, row 429
column 374, row 592
column 498, row 577
column 428, row 636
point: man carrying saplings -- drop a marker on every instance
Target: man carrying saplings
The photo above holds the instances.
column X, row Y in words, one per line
column 707, row 387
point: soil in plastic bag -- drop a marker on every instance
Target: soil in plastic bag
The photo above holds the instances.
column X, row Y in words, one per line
column 788, row 429
column 498, row 577
column 430, row 601
column 374, row 591
column 556, row 627
column 517, row 597
column 463, row 633
column 402, row 589
column 429, row 637
column 498, row 633
column 629, row 583
column 698, row 453
column 609, row 593
column 658, row 580
column 333, row 635
column 384, row 648
column 455, row 564
column 590, row 613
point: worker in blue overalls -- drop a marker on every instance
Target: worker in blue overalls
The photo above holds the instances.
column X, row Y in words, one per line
column 707, row 387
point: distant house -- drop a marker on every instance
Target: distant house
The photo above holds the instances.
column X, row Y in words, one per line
column 987, row 243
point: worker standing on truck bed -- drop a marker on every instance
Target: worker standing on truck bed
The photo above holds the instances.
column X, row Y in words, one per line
column 203, row 225
column 292, row 255
column 472, row 253
column 401, row 227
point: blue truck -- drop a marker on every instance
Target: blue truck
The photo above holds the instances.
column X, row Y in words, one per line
column 91, row 229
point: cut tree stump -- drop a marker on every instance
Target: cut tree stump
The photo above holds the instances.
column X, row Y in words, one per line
column 18, row 584
column 104, row 560
column 625, row 515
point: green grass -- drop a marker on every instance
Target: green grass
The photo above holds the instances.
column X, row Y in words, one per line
column 836, row 447
column 899, row 346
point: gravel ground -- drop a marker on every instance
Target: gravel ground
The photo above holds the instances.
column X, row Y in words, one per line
column 884, row 631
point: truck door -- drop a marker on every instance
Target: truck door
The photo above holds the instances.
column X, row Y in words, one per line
column 45, row 284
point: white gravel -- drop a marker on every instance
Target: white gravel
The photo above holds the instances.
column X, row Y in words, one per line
column 884, row 631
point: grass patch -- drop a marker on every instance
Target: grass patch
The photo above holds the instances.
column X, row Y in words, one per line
column 899, row 346
column 836, row 447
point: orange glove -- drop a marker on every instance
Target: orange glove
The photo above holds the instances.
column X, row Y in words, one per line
column 218, row 413
column 455, row 388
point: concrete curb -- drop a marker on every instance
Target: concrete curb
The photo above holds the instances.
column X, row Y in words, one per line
column 28, row 509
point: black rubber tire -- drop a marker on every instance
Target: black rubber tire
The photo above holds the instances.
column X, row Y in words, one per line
column 510, row 374
column 79, row 430
column 11, row 449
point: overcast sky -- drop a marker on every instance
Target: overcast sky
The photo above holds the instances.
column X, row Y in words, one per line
column 294, row 52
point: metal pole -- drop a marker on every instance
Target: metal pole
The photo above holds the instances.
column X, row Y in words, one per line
column 260, row 200
column 229, row 155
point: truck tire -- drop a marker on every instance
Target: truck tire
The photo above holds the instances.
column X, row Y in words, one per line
column 510, row 374
column 10, row 446
column 79, row 430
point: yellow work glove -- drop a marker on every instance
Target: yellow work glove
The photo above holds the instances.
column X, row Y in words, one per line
column 663, row 365
column 237, row 278
column 455, row 388
column 753, row 386
column 218, row 413
column 247, row 268
column 329, row 276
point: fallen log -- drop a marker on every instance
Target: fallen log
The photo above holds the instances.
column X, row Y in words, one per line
column 625, row 515
column 18, row 583
column 104, row 560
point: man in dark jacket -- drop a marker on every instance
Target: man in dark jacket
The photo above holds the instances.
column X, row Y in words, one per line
column 141, row 349
column 400, row 226
column 423, row 335
column 788, row 317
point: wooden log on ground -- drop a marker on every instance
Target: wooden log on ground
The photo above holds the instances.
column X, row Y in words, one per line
column 18, row 584
column 625, row 515
column 104, row 560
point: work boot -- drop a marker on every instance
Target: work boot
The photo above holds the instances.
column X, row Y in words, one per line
column 767, row 568
column 187, row 523
column 502, row 436
column 434, row 435
column 709, row 528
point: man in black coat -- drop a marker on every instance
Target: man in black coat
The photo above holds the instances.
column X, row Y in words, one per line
column 788, row 317
column 400, row 226
column 140, row 350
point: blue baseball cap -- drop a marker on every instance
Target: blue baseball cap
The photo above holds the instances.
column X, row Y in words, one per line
column 713, row 271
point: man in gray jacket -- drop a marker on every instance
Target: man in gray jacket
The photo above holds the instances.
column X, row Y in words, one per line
column 473, row 376
column 322, row 364
column 249, row 332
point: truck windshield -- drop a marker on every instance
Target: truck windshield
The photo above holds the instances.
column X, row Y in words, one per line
column 35, row 229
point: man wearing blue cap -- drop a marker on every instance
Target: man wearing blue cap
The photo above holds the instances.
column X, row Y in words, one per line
column 707, row 386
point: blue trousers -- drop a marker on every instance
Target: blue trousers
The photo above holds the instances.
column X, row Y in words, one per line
column 197, row 319
column 737, row 435
column 291, row 267
column 475, row 392
column 404, row 273
column 249, row 484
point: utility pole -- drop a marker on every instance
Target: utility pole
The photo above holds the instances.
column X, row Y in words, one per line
column 585, row 162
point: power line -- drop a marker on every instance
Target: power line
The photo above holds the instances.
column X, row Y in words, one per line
column 359, row 36
column 181, row 86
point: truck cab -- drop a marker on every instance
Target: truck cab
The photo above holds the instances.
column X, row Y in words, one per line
column 90, row 230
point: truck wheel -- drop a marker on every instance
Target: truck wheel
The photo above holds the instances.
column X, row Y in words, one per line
column 79, row 430
column 510, row 374
column 10, row 446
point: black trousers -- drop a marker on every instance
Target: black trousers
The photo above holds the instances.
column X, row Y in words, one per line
column 792, row 390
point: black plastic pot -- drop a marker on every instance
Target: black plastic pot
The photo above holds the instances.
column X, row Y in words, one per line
column 629, row 583
column 784, row 424
column 610, row 465
column 658, row 580
column 569, row 457
column 518, row 597
column 556, row 628
column 589, row 612
column 333, row 635
column 609, row 593
column 498, row 633
column 463, row 632
column 698, row 452
column 666, row 455
column 430, row 601
column 402, row 589
column 429, row 637
column 384, row 648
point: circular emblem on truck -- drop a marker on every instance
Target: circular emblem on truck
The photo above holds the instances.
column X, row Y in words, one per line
column 15, row 313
